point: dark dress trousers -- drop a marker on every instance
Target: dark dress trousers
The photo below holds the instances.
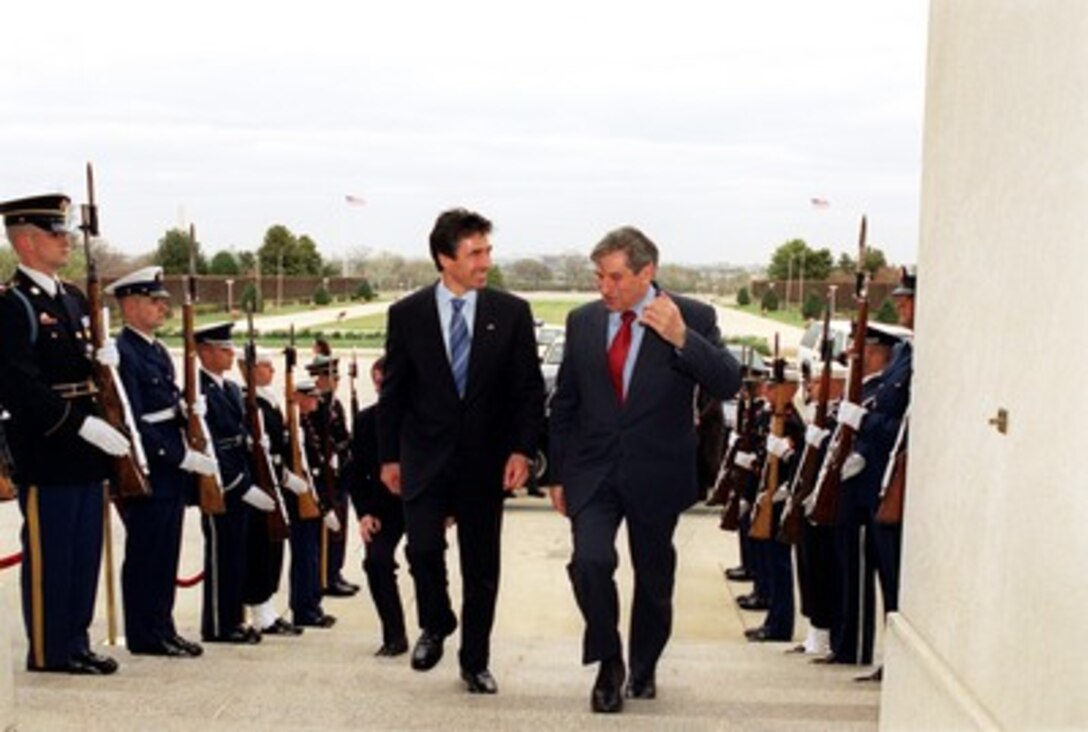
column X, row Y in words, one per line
column 305, row 536
column 453, row 451
column 225, row 533
column 634, row 461
column 264, row 556
column 153, row 524
column 59, row 476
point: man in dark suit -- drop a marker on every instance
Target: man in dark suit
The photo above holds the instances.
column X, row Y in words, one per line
column 623, row 444
column 61, row 448
column 459, row 415
column 153, row 523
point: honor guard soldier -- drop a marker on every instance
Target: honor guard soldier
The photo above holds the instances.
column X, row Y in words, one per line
column 381, row 523
column 223, row 618
column 61, row 449
column 264, row 553
column 153, row 524
column 330, row 422
column 305, row 535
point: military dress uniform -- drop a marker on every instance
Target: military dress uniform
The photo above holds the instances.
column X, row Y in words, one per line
column 45, row 383
column 223, row 616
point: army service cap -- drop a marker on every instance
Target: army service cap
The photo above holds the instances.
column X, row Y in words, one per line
column 48, row 212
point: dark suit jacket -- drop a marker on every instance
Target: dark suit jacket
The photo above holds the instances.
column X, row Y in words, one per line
column 422, row 422
column 647, row 446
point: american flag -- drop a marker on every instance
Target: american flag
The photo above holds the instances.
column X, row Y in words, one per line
column 354, row 200
column 819, row 202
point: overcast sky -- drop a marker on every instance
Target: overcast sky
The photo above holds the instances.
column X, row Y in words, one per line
column 710, row 125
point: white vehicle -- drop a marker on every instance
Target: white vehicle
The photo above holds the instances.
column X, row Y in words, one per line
column 549, row 364
column 840, row 332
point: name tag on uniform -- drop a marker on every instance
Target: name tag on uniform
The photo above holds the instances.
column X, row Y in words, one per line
column 47, row 319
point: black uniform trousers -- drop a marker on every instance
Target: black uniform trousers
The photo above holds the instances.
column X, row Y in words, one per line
column 264, row 559
column 338, row 541
column 62, row 554
column 818, row 576
column 592, row 573
column 778, row 565
column 224, row 567
column 889, row 541
column 153, row 527
column 305, row 569
column 479, row 527
column 855, row 553
column 380, row 567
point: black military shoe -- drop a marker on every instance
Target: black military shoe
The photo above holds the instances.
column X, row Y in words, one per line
column 607, row 695
column 193, row 650
column 479, row 682
column 324, row 620
column 393, row 648
column 103, row 664
column 162, row 648
column 428, row 651
column 282, row 627
column 641, row 687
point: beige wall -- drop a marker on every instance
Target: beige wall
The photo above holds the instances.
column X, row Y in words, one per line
column 993, row 630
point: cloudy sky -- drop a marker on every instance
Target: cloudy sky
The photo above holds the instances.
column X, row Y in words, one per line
column 710, row 125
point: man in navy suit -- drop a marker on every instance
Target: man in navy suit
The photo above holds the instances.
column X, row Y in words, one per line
column 623, row 443
column 153, row 523
column 459, row 414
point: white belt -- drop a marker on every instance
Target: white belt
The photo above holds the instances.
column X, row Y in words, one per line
column 163, row 415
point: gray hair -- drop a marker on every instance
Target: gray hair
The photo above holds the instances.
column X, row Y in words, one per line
column 637, row 246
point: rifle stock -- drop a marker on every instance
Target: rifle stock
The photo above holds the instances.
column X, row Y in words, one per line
column 262, row 462
column 763, row 519
column 297, row 463
column 129, row 479
column 734, row 477
column 894, row 485
column 209, row 487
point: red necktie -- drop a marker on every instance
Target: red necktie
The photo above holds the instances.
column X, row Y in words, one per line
column 617, row 353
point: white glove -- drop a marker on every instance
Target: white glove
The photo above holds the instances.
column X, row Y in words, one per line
column 746, row 460
column 200, row 407
column 294, row 483
column 778, row 446
column 199, row 463
column 266, row 443
column 259, row 499
column 782, row 493
column 815, row 436
column 108, row 355
column 742, row 507
column 851, row 414
column 334, row 463
column 99, row 433
column 852, row 465
column 332, row 523
column 733, row 437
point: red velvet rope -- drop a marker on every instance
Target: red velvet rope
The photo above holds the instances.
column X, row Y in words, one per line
column 16, row 558
column 193, row 581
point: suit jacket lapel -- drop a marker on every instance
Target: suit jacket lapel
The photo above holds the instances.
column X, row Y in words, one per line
column 597, row 348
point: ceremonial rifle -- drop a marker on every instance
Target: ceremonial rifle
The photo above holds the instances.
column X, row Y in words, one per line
column 129, row 479
column 894, row 485
column 828, row 483
column 209, row 487
column 264, row 474
column 296, row 458
column 763, row 518
column 804, row 478
column 353, row 371
column 735, row 476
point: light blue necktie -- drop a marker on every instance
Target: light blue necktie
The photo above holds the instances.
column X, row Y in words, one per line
column 459, row 346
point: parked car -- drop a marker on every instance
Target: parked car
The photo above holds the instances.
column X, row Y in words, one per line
column 545, row 336
column 808, row 352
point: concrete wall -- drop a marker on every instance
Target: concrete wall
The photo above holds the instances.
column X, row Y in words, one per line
column 993, row 630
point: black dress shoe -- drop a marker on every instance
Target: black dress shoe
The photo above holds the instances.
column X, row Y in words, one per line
column 162, row 648
column 641, row 687
column 428, row 651
column 393, row 648
column 607, row 695
column 238, row 635
column 828, row 659
column 761, row 634
column 876, row 676
column 341, row 589
column 324, row 620
column 739, row 574
column 479, row 682
column 72, row 666
column 751, row 602
column 282, row 627
column 191, row 649
column 103, row 664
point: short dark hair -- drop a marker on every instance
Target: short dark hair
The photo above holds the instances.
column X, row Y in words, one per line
column 451, row 227
column 637, row 246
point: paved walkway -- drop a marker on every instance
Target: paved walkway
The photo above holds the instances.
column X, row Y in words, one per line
column 710, row 678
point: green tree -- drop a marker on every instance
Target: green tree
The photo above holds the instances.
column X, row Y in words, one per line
column 283, row 252
column 251, row 299
column 247, row 262
column 172, row 253
column 321, row 295
column 530, row 273
column 495, row 279
column 8, row 263
column 365, row 292
column 224, row 263
column 813, row 306
column 846, row 263
column 770, row 300
column 743, row 297
column 795, row 259
column 887, row 312
column 308, row 259
column 874, row 260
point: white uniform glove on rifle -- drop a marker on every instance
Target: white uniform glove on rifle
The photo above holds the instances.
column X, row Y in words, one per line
column 295, row 484
column 746, row 460
column 99, row 433
column 332, row 523
column 259, row 499
column 815, row 436
column 199, row 463
column 200, row 407
column 779, row 446
column 851, row 414
column 108, row 355
column 852, row 465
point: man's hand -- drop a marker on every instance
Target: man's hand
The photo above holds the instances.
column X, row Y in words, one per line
column 99, row 433
column 108, row 355
column 391, row 477
column 199, row 463
column 516, row 472
column 368, row 527
column 559, row 499
column 663, row 316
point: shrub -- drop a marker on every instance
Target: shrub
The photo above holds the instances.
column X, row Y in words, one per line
column 887, row 312
column 321, row 296
column 743, row 298
column 769, row 301
column 813, row 306
column 251, row 299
